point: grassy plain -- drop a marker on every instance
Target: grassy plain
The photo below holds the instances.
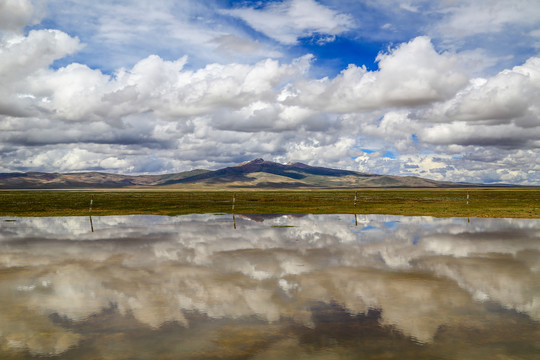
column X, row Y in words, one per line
column 483, row 202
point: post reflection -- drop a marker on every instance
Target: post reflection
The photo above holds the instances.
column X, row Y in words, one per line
column 293, row 283
column 232, row 210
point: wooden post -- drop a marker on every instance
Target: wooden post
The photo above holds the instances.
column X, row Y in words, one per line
column 467, row 198
column 90, row 210
column 356, row 193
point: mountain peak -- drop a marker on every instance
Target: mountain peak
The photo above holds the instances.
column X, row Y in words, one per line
column 252, row 162
column 297, row 164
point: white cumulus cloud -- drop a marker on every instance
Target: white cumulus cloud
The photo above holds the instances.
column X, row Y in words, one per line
column 410, row 75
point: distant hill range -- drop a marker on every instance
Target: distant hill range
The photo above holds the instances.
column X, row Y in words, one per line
column 257, row 174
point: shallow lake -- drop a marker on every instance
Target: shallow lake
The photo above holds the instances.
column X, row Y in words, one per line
column 223, row 286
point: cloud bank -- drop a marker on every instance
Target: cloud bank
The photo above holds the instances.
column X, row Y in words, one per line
column 425, row 110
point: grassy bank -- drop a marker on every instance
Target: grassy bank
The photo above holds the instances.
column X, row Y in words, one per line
column 517, row 203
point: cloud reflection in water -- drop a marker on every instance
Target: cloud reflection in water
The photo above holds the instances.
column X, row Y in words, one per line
column 422, row 274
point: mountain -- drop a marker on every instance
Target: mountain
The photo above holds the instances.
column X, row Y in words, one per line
column 257, row 173
column 40, row 180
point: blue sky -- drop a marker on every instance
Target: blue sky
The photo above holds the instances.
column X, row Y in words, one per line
column 443, row 90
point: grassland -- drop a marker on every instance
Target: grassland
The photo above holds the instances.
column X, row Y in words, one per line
column 489, row 202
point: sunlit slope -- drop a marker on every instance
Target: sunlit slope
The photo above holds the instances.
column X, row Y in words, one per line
column 38, row 180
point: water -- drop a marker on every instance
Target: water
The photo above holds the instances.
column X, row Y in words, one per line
column 269, row 287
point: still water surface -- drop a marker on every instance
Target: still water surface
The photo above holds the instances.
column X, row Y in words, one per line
column 269, row 287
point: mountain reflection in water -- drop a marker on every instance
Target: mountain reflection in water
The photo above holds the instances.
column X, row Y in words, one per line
column 265, row 287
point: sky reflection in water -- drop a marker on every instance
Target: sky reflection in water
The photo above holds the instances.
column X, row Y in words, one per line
column 328, row 286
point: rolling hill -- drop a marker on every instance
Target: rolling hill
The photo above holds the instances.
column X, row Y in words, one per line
column 256, row 174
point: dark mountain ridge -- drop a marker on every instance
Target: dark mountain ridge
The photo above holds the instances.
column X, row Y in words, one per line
column 240, row 172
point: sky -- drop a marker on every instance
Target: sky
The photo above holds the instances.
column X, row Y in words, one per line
column 446, row 90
